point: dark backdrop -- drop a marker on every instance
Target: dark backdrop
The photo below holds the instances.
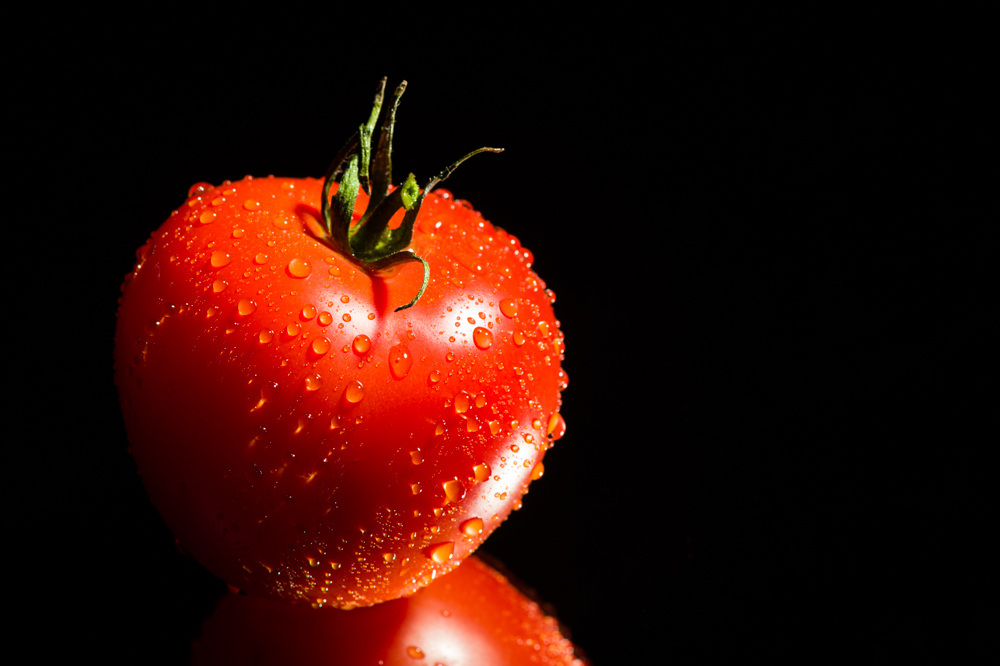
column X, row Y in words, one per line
column 773, row 270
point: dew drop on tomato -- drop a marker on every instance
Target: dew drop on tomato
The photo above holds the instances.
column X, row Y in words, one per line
column 246, row 307
column 265, row 337
column 321, row 345
column 292, row 329
column 199, row 188
column 207, row 217
column 434, row 377
column 416, row 458
column 400, row 361
column 299, row 268
column 325, row 318
column 481, row 472
column 261, row 258
column 414, row 652
column 482, row 337
column 557, row 426
column 537, row 471
column 308, row 312
column 472, row 527
column 220, row 258
column 462, row 402
column 219, row 285
column 454, row 490
column 362, row 343
column 508, row 307
column 251, row 204
column 472, row 425
column 441, row 552
column 355, row 392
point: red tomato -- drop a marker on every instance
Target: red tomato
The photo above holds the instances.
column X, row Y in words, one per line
column 301, row 436
column 472, row 617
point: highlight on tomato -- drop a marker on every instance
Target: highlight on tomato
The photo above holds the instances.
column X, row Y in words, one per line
column 336, row 389
column 473, row 616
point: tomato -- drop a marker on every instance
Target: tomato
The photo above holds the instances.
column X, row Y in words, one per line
column 305, row 429
column 473, row 616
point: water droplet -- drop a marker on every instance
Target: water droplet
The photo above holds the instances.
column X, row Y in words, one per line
column 355, row 392
column 519, row 338
column 321, row 345
column 415, row 488
column 480, row 400
column 261, row 258
column 307, row 312
column 346, row 317
column 415, row 652
column 434, row 377
column 441, row 552
column 292, row 329
column 218, row 201
column 266, row 336
column 325, row 318
column 482, row 472
column 362, row 344
column 246, row 307
column 449, row 357
column 439, row 429
column 282, row 222
column 472, row 425
column 345, row 299
column 199, row 188
column 557, row 426
column 462, row 402
column 538, row 471
column 514, row 448
column 299, row 268
column 313, row 382
column 238, row 233
column 494, row 427
column 416, row 458
column 220, row 258
column 207, row 217
column 388, row 557
column 371, row 317
column 454, row 490
column 251, row 204
column 508, row 307
column 219, row 285
column 334, row 565
column 482, row 337
column 400, row 361
column 472, row 527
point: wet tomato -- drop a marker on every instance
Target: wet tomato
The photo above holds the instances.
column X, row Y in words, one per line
column 305, row 428
column 472, row 617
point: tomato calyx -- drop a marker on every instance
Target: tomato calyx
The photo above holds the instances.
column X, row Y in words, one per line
column 371, row 242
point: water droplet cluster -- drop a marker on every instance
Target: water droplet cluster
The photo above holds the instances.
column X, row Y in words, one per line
column 351, row 453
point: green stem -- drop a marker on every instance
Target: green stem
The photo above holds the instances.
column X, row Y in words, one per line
column 371, row 243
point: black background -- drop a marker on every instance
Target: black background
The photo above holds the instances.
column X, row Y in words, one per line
column 773, row 268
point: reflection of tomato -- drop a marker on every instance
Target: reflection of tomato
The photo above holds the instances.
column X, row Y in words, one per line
column 472, row 616
column 301, row 434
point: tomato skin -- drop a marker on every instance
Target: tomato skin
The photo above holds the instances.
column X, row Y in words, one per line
column 302, row 438
column 474, row 617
